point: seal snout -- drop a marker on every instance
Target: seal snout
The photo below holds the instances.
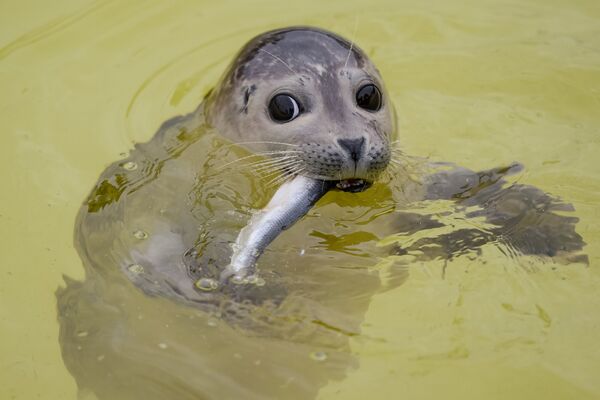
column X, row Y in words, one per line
column 354, row 147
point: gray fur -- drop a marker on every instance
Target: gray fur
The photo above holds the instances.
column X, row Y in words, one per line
column 323, row 71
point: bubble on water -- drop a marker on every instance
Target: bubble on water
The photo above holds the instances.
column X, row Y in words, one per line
column 256, row 280
column 135, row 269
column 318, row 355
column 206, row 284
column 239, row 280
column 130, row 166
column 211, row 322
column 162, row 345
column 139, row 234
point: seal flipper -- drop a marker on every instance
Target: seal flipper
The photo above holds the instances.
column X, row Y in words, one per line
column 520, row 217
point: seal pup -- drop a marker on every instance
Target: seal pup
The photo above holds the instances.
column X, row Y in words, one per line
column 169, row 196
column 309, row 101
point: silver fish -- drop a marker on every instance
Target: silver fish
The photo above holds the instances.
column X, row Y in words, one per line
column 290, row 203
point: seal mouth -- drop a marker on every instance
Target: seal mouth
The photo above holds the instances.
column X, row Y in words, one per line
column 353, row 185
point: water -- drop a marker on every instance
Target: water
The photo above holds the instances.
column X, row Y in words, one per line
column 479, row 84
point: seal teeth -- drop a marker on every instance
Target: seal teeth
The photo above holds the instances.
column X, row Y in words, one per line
column 353, row 185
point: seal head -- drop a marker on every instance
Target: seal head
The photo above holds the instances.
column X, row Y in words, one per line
column 311, row 99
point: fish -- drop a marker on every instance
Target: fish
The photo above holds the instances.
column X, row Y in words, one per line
column 290, row 202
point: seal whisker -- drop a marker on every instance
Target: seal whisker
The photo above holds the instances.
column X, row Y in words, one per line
column 278, row 59
column 266, row 153
column 286, row 175
column 282, row 174
column 352, row 41
column 278, row 163
column 259, row 142
column 278, row 179
column 273, row 161
column 278, row 169
column 270, row 171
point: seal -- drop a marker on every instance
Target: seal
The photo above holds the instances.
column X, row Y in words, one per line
column 315, row 108
column 171, row 220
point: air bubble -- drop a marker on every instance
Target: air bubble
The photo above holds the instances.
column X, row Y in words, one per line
column 130, row 166
column 206, row 284
column 255, row 280
column 211, row 322
column 139, row 234
column 318, row 355
column 239, row 280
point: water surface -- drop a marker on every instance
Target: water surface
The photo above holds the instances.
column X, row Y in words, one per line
column 478, row 84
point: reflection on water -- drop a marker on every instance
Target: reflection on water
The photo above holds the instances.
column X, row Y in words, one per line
column 165, row 217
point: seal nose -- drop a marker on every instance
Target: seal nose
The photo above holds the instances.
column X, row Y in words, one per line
column 354, row 147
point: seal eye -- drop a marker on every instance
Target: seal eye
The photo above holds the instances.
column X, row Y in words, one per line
column 283, row 108
column 369, row 97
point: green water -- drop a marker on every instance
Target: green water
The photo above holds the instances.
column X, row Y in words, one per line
column 478, row 83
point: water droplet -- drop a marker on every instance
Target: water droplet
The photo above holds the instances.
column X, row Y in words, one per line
column 135, row 269
column 211, row 322
column 206, row 284
column 162, row 345
column 255, row 280
column 130, row 166
column 318, row 355
column 139, row 234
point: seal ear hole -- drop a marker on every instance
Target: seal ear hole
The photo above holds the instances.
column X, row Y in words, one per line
column 284, row 108
column 369, row 97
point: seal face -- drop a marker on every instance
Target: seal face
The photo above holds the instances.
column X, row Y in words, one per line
column 310, row 99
